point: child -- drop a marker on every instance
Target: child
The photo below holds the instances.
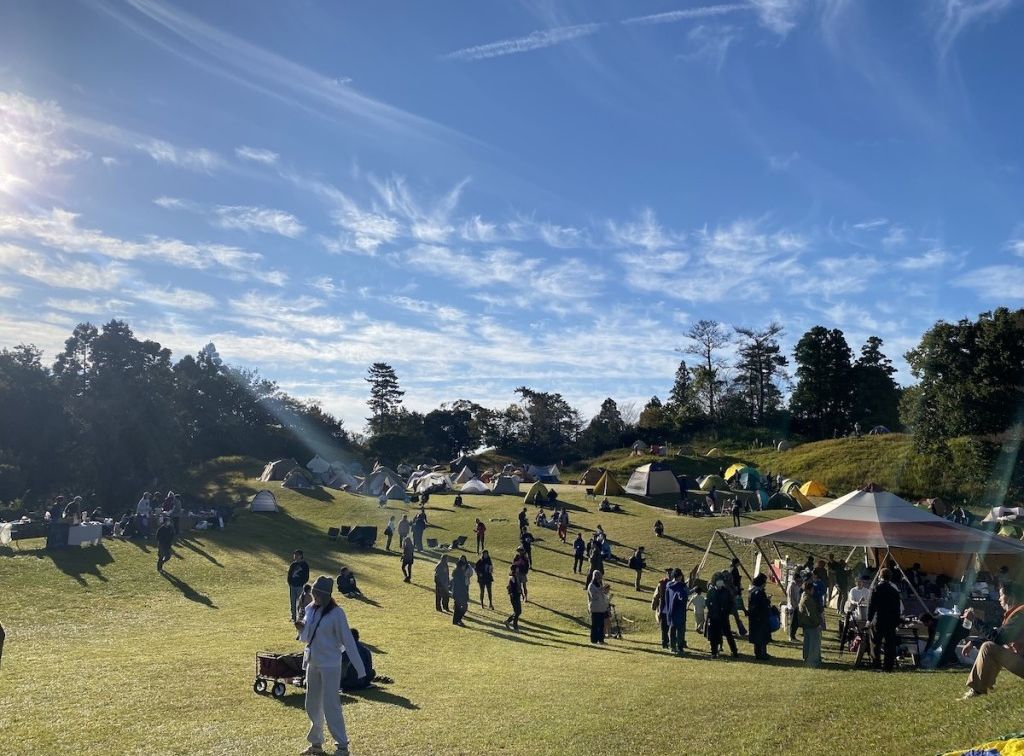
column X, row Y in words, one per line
column 304, row 600
column 698, row 601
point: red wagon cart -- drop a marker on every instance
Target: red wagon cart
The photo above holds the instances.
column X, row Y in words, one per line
column 277, row 671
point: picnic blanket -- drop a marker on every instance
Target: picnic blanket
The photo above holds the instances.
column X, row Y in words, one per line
column 1008, row 745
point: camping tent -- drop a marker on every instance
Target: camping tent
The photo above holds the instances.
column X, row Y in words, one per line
column 743, row 478
column 789, row 485
column 735, row 468
column 652, row 479
column 608, row 486
column 638, row 446
column 544, row 473
column 465, row 475
column 537, row 491
column 432, row 482
column 713, row 483
column 591, row 476
column 506, row 484
column 380, row 480
column 339, row 477
column 298, row 479
column 277, row 469
column 880, row 520
column 1004, row 515
column 802, row 502
column 784, row 446
column 716, row 452
column 318, row 465
column 263, row 501
column 813, row 488
column 780, row 500
column 879, row 430
column 396, row 492
column 1010, row 531
column 475, row 486
column 462, row 461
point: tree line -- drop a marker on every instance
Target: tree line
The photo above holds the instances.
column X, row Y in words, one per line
column 114, row 414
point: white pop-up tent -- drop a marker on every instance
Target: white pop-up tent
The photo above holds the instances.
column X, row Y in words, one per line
column 263, row 501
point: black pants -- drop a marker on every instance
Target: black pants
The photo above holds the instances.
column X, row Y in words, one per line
column 417, row 539
column 479, row 543
column 792, row 624
column 677, row 634
column 597, row 627
column 663, row 621
column 163, row 556
column 736, row 519
column 460, row 612
column 577, row 564
column 517, row 609
column 486, row 587
column 718, row 629
column 407, row 571
column 883, row 645
column 389, row 534
column 440, row 598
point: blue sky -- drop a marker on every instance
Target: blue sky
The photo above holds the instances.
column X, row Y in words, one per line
column 492, row 194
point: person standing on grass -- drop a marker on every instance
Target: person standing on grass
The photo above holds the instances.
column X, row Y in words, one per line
column 636, row 563
column 521, row 564
column 298, row 576
column 758, row 612
column 793, row 592
column 885, row 609
column 677, row 595
column 736, row 509
column 442, row 585
column 515, row 599
column 403, row 529
column 527, row 539
column 408, row 557
column 578, row 547
column 305, row 599
column 699, row 602
column 720, row 606
column 485, row 578
column 563, row 524
column 164, row 541
column 481, row 532
column 460, row 590
column 325, row 631
column 598, row 605
column 524, row 521
column 596, row 561
column 419, row 524
column 842, row 581
column 659, row 604
column 809, row 619
column 389, row 531
column 142, row 512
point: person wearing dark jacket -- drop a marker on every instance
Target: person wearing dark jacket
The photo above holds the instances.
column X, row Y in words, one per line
column 515, row 598
column 164, row 541
column 408, row 557
column 884, row 613
column 758, row 614
column 637, row 564
column 442, row 585
column 485, row 578
column 351, row 680
column 419, row 524
column 596, row 562
column 677, row 597
column 719, row 608
column 578, row 547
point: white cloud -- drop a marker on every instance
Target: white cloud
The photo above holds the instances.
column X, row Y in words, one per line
column 264, row 219
column 1016, row 246
column 995, row 283
column 778, row 15
column 62, row 273
column 710, row 44
column 933, row 258
column 173, row 203
column 177, row 298
column 896, row 236
column 256, row 155
column 955, row 16
column 95, row 307
column 780, row 163
column 326, row 285
column 110, row 162
column 645, row 232
column 195, row 158
column 8, row 292
column 687, row 14
column 32, row 141
column 534, row 41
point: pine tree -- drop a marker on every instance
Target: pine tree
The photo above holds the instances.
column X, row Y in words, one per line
column 822, row 399
column 708, row 337
column 760, row 363
column 385, row 396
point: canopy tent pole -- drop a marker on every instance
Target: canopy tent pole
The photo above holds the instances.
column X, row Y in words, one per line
column 906, row 579
column 707, row 551
column 734, row 555
column 767, row 561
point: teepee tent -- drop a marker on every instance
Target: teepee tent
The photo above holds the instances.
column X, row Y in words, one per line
column 277, row 469
column 813, row 488
column 465, row 475
column 802, row 501
column 297, row 479
column 780, row 500
column 591, row 476
column 397, row 493
column 506, row 484
column 263, row 501
column 537, row 491
column 608, row 486
column 652, row 479
column 475, row 486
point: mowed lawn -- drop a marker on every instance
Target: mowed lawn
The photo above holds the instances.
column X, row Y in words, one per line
column 105, row 656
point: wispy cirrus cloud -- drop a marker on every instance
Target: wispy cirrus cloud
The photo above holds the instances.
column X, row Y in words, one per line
column 257, row 155
column 536, row 40
column 263, row 219
column 687, row 14
column 954, row 17
column 60, row 272
column 33, row 141
column 193, row 158
column 994, row 283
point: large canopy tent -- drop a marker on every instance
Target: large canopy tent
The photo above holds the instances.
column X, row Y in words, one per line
column 887, row 525
column 652, row 479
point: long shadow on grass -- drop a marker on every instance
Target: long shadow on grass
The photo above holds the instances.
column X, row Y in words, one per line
column 694, row 546
column 192, row 545
column 188, row 591
column 76, row 562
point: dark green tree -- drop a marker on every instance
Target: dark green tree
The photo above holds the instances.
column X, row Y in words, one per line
column 655, row 421
column 876, row 396
column 605, row 430
column 682, row 399
column 385, row 396
column 760, row 365
column 707, row 337
column 822, row 399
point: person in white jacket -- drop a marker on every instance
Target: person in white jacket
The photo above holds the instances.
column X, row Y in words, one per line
column 326, row 633
column 598, row 603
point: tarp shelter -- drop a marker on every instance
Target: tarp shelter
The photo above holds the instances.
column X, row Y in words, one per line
column 297, row 479
column 263, row 501
column 475, row 486
column 465, row 475
column 591, row 476
column 608, row 486
column 462, row 461
column 544, row 473
column 884, row 522
column 318, row 465
column 716, row 452
column 652, row 479
column 277, row 469
column 506, row 484
column 537, row 491
column 713, row 483
column 813, row 488
column 339, row 477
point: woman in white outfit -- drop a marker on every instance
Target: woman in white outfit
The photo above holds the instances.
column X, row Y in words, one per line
column 325, row 631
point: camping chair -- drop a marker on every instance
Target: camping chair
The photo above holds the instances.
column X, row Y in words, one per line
column 590, row 494
column 431, row 543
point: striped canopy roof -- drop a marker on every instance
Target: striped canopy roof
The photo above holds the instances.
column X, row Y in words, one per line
column 877, row 519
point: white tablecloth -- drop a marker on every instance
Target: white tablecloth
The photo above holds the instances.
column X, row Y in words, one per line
column 5, row 533
column 87, row 534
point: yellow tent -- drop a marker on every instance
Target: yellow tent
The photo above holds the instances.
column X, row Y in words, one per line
column 813, row 488
column 591, row 476
column 801, row 501
column 713, row 483
column 537, row 491
column 733, row 469
column 608, row 486
column 716, row 452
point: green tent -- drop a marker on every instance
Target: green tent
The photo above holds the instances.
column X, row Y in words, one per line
column 714, row 483
column 537, row 491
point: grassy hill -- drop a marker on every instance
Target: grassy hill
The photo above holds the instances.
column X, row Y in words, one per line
column 106, row 656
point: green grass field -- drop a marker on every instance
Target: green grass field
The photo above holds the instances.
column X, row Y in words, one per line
column 106, row 656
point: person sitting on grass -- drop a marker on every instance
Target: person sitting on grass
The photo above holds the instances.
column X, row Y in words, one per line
column 605, row 505
column 1005, row 646
column 350, row 679
column 659, row 528
column 347, row 583
column 541, row 520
